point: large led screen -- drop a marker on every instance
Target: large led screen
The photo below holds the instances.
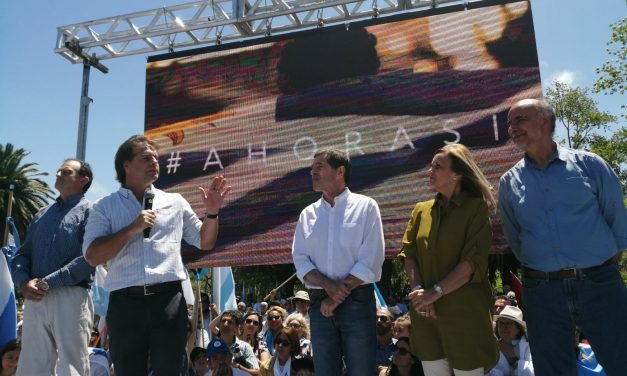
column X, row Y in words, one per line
column 389, row 92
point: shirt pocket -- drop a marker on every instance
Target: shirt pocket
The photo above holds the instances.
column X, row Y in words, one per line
column 350, row 235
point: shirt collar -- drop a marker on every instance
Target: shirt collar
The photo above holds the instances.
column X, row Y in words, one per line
column 71, row 201
column 127, row 193
column 457, row 200
column 560, row 153
column 339, row 199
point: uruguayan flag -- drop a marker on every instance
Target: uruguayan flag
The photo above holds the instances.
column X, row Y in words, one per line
column 8, row 313
column 99, row 295
column 223, row 288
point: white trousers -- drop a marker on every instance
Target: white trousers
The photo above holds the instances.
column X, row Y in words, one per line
column 441, row 367
column 56, row 333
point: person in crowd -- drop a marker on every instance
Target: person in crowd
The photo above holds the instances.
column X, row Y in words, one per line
column 241, row 307
column 403, row 362
column 226, row 326
column 221, row 360
column 249, row 331
column 275, row 317
column 385, row 343
column 209, row 310
column 99, row 362
column 138, row 231
column 299, row 324
column 303, row 367
column 338, row 252
column 402, row 327
column 502, row 301
column 515, row 356
column 55, row 279
column 445, row 250
column 301, row 302
column 9, row 357
column 287, row 347
column 564, row 218
column 199, row 362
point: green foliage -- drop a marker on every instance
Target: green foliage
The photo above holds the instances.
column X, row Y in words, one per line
column 613, row 74
column 578, row 113
column 30, row 193
column 614, row 151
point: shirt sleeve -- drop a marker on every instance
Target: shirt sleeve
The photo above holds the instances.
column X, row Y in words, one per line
column 98, row 225
column 477, row 243
column 611, row 201
column 21, row 263
column 302, row 261
column 71, row 274
column 409, row 238
column 510, row 225
column 371, row 253
column 191, row 223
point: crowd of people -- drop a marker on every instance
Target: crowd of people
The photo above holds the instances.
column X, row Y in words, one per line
column 562, row 213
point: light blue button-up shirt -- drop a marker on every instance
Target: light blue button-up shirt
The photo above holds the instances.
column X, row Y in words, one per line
column 567, row 214
column 52, row 250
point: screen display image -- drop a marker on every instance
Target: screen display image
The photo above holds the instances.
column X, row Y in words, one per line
column 390, row 92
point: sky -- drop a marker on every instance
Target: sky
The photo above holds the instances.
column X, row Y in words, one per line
column 40, row 90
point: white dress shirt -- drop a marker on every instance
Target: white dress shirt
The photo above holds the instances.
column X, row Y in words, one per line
column 144, row 261
column 339, row 240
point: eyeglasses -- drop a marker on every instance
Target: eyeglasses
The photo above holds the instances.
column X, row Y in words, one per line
column 282, row 342
column 383, row 318
column 274, row 318
column 401, row 350
column 295, row 325
column 252, row 322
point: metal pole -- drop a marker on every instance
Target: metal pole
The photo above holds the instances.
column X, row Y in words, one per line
column 5, row 240
column 81, row 142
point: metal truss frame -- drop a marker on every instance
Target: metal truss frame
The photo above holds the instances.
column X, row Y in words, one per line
column 217, row 21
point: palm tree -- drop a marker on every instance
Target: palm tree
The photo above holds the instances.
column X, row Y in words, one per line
column 29, row 193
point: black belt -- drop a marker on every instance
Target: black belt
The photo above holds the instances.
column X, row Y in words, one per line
column 321, row 293
column 564, row 273
column 83, row 284
column 152, row 289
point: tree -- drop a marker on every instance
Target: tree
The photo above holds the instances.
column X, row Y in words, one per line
column 578, row 113
column 29, row 193
column 613, row 74
column 614, row 151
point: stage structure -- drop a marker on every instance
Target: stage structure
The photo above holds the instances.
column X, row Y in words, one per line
column 261, row 100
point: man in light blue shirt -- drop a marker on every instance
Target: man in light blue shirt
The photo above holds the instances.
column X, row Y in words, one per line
column 141, row 244
column 54, row 278
column 564, row 218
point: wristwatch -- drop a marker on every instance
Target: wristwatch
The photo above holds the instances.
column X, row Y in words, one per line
column 438, row 289
column 43, row 285
column 418, row 287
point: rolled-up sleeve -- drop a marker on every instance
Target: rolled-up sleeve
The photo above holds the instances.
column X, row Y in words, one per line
column 371, row 253
column 409, row 248
column 477, row 244
column 98, row 225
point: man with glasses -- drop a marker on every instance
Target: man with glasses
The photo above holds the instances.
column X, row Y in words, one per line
column 54, row 278
column 385, row 343
column 338, row 251
column 243, row 354
column 301, row 302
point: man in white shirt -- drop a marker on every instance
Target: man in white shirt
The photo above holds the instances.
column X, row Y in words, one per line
column 141, row 245
column 338, row 252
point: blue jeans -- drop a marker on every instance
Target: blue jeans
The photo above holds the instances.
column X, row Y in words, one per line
column 349, row 333
column 596, row 302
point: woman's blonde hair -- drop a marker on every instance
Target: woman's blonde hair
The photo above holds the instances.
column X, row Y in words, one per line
column 473, row 181
column 301, row 320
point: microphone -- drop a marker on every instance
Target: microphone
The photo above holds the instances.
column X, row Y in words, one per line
column 148, row 197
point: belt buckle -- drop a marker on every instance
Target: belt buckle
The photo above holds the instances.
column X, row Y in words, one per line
column 146, row 292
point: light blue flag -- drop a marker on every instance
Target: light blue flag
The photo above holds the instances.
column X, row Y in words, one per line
column 223, row 288
column 99, row 295
column 8, row 310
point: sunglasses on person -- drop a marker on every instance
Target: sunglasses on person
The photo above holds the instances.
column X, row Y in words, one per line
column 295, row 325
column 252, row 322
column 282, row 343
column 274, row 318
column 227, row 321
column 383, row 318
column 401, row 350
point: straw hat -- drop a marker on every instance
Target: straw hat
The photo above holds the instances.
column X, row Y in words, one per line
column 512, row 313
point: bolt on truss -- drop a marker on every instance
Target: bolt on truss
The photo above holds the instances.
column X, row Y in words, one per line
column 217, row 21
